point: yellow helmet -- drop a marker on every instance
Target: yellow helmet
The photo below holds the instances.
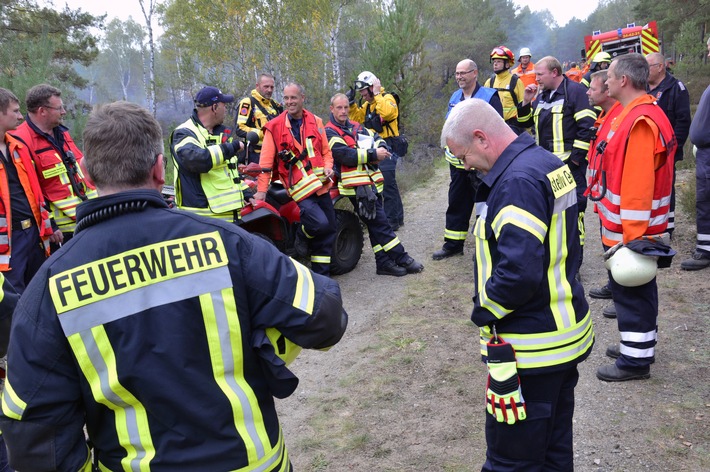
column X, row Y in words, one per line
column 602, row 57
column 502, row 52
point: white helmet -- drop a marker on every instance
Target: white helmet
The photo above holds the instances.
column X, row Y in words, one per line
column 364, row 80
column 630, row 268
column 524, row 52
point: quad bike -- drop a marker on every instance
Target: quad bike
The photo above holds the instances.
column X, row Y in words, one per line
column 277, row 218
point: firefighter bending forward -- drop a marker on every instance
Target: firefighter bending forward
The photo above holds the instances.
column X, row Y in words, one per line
column 535, row 325
column 158, row 340
column 295, row 150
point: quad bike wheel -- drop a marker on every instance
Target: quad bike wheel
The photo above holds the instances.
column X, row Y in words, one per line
column 348, row 245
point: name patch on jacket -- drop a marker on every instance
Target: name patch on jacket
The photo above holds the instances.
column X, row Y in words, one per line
column 134, row 281
column 562, row 181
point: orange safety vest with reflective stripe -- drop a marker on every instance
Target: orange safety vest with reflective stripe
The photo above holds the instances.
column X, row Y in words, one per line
column 362, row 174
column 527, row 76
column 638, row 185
column 574, row 74
column 19, row 153
column 602, row 124
column 305, row 176
column 53, row 176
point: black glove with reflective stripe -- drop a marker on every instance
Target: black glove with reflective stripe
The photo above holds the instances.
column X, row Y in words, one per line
column 366, row 202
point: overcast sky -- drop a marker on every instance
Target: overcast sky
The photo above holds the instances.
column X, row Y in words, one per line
column 563, row 11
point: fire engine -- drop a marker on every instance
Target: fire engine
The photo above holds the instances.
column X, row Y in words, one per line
column 641, row 39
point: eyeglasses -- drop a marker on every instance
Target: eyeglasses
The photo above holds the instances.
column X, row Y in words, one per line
column 461, row 74
column 656, row 64
column 59, row 108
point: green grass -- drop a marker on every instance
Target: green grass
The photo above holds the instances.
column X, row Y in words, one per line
column 319, row 463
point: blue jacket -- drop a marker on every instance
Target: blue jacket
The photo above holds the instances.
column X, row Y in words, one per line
column 700, row 127
column 484, row 93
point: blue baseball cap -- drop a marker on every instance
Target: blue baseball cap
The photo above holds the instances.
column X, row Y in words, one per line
column 208, row 96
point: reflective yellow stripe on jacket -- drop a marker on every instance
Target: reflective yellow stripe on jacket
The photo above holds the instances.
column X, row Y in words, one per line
column 557, row 115
column 222, row 194
column 360, row 175
column 97, row 362
column 453, row 160
column 64, row 211
column 570, row 339
column 86, row 298
column 308, row 184
column 546, row 349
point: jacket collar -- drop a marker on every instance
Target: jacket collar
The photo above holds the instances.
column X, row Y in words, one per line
column 259, row 97
column 345, row 127
column 665, row 84
column 57, row 136
column 510, row 153
column 139, row 199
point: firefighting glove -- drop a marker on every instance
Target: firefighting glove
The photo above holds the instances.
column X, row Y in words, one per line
column 351, row 95
column 252, row 138
column 230, row 149
column 504, row 399
column 366, row 202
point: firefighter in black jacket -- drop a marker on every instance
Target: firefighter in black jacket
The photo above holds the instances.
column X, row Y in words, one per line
column 563, row 121
column 534, row 328
column 164, row 332
column 673, row 98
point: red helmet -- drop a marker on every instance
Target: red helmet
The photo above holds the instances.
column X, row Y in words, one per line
column 502, row 52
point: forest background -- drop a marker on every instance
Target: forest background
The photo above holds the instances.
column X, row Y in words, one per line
column 413, row 46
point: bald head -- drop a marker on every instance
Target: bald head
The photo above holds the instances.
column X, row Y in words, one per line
column 655, row 57
column 467, row 76
column 656, row 69
column 468, row 64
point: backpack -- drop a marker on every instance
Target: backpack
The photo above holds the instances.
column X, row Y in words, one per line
column 511, row 86
column 399, row 144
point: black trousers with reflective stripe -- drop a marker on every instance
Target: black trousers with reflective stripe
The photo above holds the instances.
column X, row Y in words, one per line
column 461, row 202
column 393, row 200
column 702, row 199
column 381, row 234
column 543, row 441
column 636, row 316
column 27, row 257
column 318, row 220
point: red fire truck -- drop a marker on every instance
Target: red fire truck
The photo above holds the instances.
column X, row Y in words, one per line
column 641, row 39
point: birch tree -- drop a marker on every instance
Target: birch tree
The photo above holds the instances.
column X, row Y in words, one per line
column 148, row 9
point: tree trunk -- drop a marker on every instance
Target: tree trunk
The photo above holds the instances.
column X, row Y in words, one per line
column 150, row 89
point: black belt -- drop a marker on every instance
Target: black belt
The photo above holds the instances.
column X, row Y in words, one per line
column 24, row 224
